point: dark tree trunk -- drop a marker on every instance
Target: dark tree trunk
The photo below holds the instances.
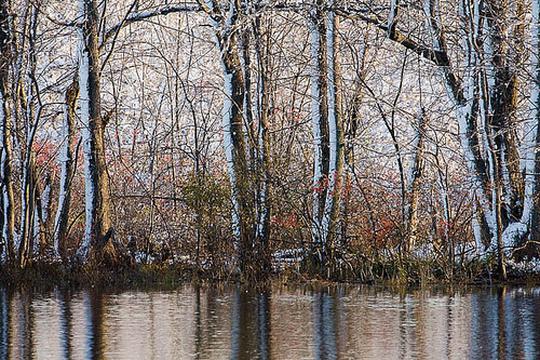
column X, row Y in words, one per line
column 6, row 54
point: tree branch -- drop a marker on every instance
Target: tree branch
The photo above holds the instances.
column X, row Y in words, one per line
column 146, row 14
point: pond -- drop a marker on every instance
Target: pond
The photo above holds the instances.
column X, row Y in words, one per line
column 224, row 322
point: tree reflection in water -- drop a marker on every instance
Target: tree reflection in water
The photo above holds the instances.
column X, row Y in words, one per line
column 63, row 299
column 221, row 322
column 250, row 325
column 504, row 324
column 324, row 326
column 93, row 309
column 4, row 323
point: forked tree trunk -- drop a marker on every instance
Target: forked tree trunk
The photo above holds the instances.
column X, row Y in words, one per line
column 327, row 129
column 233, row 128
column 246, row 145
column 31, row 108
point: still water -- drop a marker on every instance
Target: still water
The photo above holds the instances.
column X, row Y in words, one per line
column 228, row 323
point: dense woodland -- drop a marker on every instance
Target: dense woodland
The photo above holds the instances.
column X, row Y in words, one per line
column 242, row 136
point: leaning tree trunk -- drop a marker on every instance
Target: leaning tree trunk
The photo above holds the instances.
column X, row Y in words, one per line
column 98, row 227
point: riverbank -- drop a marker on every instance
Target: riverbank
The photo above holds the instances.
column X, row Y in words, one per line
column 168, row 276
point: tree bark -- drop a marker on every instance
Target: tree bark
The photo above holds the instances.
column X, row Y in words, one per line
column 262, row 102
column 66, row 163
column 335, row 134
column 8, row 215
column 234, row 143
column 531, row 204
column 319, row 119
column 415, row 176
column 327, row 129
column 98, row 231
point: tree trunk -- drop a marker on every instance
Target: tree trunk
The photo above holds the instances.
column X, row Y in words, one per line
column 66, row 164
column 233, row 129
column 42, row 214
column 262, row 101
column 98, row 231
column 246, row 147
column 8, row 221
column 415, row 175
column 335, row 134
column 531, row 204
column 319, row 119
column 27, row 211
column 327, row 129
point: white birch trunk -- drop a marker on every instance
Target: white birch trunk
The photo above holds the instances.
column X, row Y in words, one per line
column 464, row 96
column 263, row 142
column 84, row 100
column 316, row 119
column 331, row 204
column 234, row 103
column 227, row 115
column 526, row 224
column 98, row 236
column 66, row 166
column 4, row 168
column 8, row 220
column 414, row 177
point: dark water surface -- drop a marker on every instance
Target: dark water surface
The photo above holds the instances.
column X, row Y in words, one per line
column 227, row 323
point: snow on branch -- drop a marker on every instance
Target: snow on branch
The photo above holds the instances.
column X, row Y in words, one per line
column 438, row 57
column 149, row 13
